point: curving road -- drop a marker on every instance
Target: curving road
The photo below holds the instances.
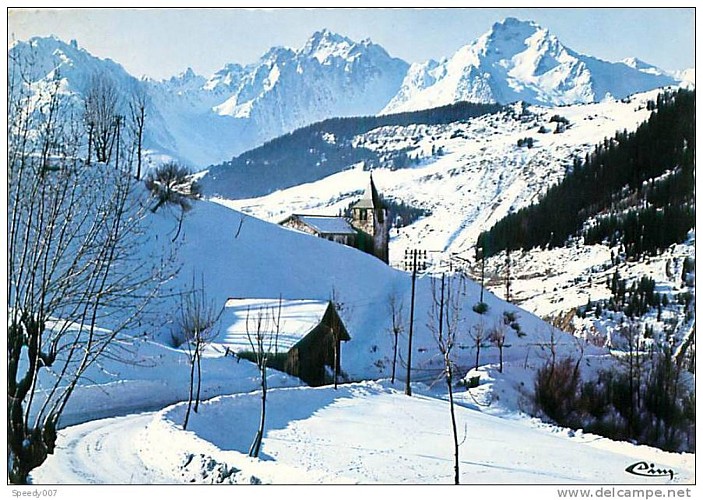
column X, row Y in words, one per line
column 100, row 452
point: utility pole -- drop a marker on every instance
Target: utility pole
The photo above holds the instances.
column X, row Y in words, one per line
column 414, row 260
column 481, row 254
column 507, row 280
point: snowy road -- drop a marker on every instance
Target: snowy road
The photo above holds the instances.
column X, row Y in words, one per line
column 360, row 433
column 100, row 452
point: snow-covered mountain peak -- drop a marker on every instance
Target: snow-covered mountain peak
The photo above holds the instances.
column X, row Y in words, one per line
column 227, row 77
column 45, row 58
column 512, row 30
column 275, row 54
column 185, row 81
column 208, row 120
column 326, row 45
column 687, row 76
column 640, row 65
column 520, row 60
column 186, row 75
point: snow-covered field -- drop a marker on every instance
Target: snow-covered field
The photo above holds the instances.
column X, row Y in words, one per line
column 366, row 431
column 362, row 433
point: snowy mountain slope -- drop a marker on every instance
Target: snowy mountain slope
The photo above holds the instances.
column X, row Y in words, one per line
column 481, row 175
column 46, row 58
column 521, row 61
column 468, row 174
column 240, row 256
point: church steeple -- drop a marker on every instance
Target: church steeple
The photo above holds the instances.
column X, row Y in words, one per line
column 371, row 199
column 370, row 216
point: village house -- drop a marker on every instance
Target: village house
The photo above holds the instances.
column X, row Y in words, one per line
column 337, row 229
column 303, row 337
column 368, row 228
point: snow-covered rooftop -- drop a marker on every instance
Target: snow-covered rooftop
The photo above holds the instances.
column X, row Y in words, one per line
column 295, row 319
column 325, row 224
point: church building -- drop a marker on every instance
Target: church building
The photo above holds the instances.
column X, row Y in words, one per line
column 368, row 229
column 371, row 218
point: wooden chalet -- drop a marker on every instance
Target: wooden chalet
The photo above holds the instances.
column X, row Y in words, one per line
column 304, row 336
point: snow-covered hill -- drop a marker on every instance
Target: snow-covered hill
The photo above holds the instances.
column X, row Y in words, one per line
column 468, row 175
column 204, row 120
column 521, row 61
column 241, row 256
column 237, row 255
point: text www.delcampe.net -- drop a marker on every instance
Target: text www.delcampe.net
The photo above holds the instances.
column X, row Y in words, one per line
column 613, row 492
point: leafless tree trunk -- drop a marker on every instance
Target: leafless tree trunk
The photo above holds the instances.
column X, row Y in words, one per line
column 553, row 346
column 444, row 321
column 262, row 332
column 478, row 336
column 75, row 233
column 102, row 104
column 138, row 110
column 497, row 338
column 197, row 324
column 396, row 310
column 507, row 274
column 631, row 336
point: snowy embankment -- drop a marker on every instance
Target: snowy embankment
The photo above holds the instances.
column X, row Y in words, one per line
column 368, row 432
column 373, row 433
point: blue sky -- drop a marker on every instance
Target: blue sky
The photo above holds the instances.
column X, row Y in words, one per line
column 159, row 43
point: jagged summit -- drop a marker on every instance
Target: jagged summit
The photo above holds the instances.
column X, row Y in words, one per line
column 520, row 60
column 208, row 120
column 512, row 28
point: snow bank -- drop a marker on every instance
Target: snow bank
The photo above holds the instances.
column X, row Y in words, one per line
column 373, row 433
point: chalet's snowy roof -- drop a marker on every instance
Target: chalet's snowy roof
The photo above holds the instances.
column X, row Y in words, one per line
column 297, row 319
column 325, row 224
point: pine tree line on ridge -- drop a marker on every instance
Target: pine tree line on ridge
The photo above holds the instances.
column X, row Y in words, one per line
column 638, row 185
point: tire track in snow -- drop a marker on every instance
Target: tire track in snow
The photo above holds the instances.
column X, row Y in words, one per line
column 100, row 452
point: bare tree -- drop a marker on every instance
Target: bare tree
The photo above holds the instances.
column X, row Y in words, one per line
column 497, row 338
column 263, row 329
column 507, row 273
column 79, row 274
column 631, row 334
column 138, row 110
column 444, row 324
column 342, row 311
column 395, row 308
column 197, row 323
column 552, row 347
column 101, row 115
column 478, row 337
